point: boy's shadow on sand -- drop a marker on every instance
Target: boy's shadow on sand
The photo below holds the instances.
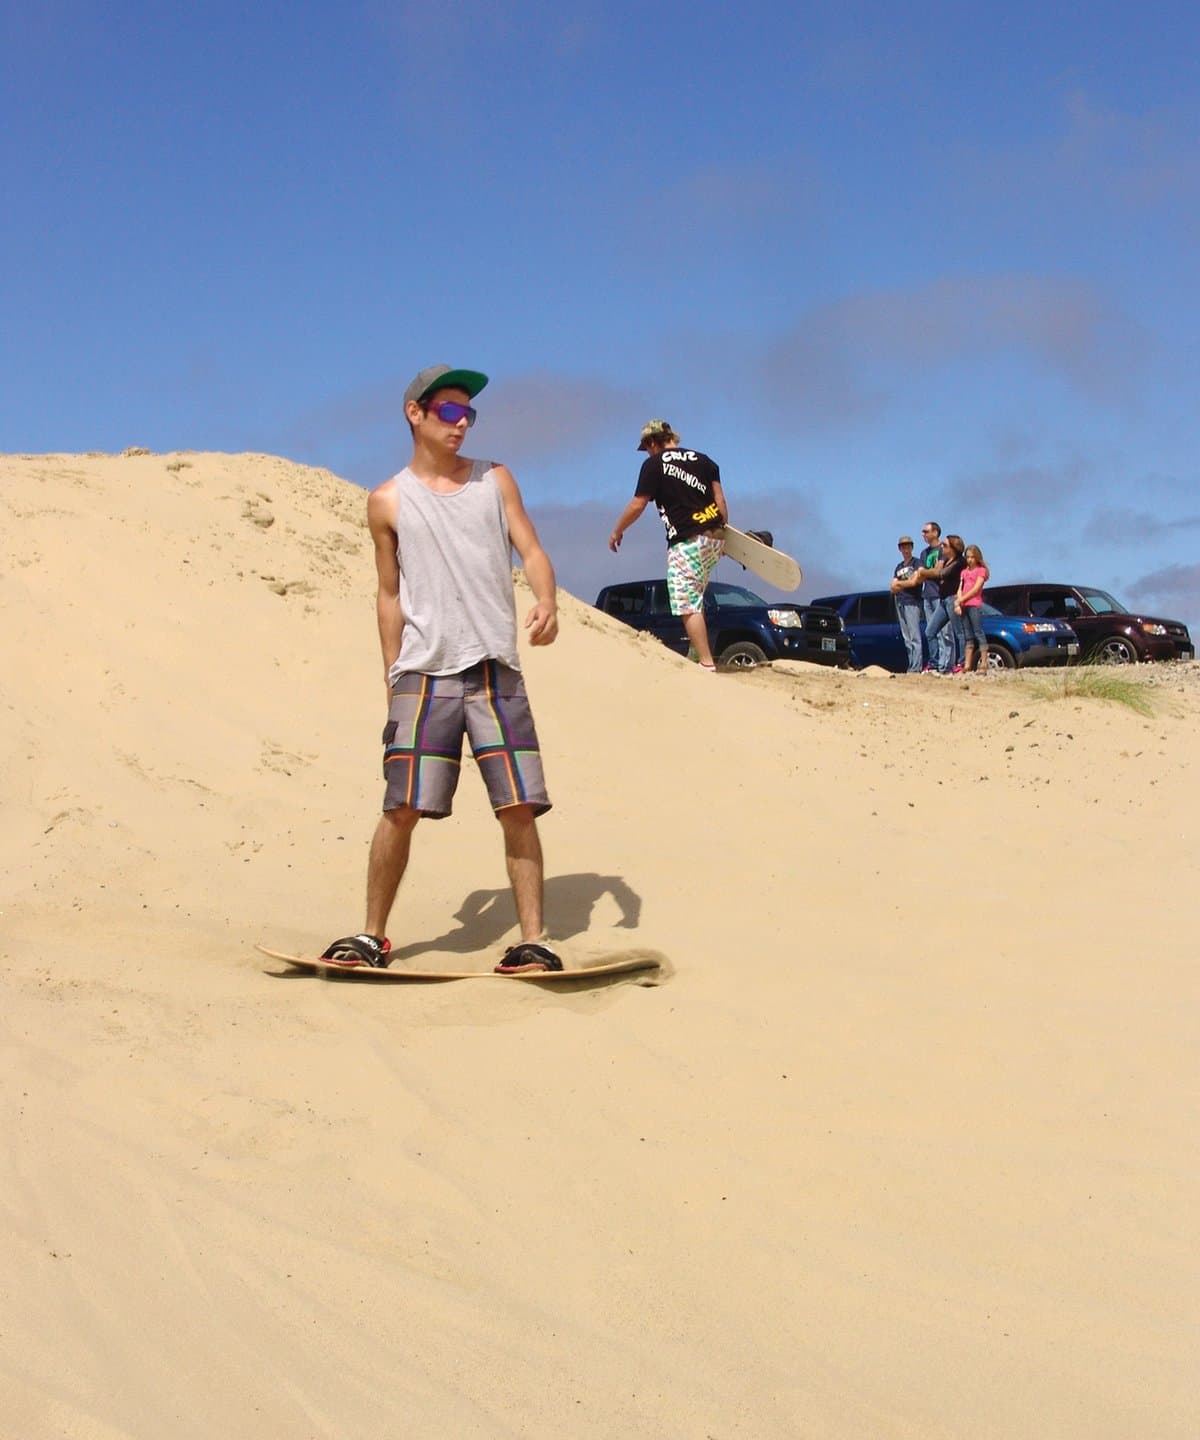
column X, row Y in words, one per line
column 485, row 915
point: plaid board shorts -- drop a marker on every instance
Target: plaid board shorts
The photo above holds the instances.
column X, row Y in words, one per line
column 423, row 740
column 689, row 564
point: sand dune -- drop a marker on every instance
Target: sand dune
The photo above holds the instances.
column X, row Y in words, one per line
column 901, row 1144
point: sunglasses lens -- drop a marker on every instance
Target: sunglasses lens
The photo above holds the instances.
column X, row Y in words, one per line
column 450, row 412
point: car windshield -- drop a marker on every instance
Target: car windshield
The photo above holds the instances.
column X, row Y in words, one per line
column 1103, row 603
column 991, row 609
column 734, row 597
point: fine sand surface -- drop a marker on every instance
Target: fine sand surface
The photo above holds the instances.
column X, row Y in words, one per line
column 901, row 1144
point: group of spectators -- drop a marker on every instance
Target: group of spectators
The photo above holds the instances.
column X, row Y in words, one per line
column 942, row 587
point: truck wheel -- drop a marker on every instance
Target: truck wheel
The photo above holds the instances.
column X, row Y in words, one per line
column 742, row 656
column 1000, row 657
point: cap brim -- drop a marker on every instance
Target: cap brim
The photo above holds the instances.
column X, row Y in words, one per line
column 472, row 381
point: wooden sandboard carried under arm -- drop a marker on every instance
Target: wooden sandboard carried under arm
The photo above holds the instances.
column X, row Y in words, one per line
column 772, row 565
column 623, row 962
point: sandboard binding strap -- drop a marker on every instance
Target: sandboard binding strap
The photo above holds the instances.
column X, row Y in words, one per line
column 528, row 956
column 360, row 950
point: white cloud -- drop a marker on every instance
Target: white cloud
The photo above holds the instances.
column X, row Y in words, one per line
column 1099, row 154
column 533, row 417
column 1030, row 489
column 1173, row 590
column 848, row 359
column 1121, row 525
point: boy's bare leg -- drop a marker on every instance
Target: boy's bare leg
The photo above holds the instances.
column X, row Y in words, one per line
column 387, row 864
column 523, row 857
column 697, row 632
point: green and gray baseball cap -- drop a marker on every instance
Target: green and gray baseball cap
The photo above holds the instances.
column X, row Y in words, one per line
column 442, row 377
column 658, row 430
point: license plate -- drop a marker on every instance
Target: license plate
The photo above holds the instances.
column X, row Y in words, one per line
column 828, row 644
column 1072, row 649
column 1187, row 655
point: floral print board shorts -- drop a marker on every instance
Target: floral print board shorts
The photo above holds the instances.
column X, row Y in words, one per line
column 423, row 741
column 689, row 564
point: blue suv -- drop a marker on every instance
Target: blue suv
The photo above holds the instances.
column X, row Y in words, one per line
column 1013, row 640
column 743, row 628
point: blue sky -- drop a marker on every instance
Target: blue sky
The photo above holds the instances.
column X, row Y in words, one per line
column 883, row 263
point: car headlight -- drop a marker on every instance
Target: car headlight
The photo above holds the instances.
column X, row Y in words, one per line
column 1149, row 629
column 785, row 619
column 1039, row 627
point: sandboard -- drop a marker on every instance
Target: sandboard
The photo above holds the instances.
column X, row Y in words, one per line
column 623, row 963
column 772, row 565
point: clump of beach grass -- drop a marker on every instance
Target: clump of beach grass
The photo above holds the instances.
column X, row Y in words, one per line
column 1092, row 682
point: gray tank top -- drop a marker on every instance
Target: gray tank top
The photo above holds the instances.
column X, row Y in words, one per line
column 456, row 583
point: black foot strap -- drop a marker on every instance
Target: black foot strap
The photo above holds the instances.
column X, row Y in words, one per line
column 360, row 950
column 528, row 956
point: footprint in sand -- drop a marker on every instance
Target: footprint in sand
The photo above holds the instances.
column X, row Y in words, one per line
column 282, row 762
column 288, row 587
column 257, row 513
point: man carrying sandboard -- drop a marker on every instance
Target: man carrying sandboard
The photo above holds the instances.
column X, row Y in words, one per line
column 685, row 486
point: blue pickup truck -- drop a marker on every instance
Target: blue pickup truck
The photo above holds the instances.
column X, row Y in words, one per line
column 743, row 628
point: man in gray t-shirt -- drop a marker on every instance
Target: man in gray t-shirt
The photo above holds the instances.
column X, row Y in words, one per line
column 444, row 529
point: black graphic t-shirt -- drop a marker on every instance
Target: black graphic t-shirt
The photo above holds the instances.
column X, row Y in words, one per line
column 680, row 482
column 905, row 571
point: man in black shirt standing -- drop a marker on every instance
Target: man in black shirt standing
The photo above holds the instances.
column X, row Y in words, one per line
column 685, row 486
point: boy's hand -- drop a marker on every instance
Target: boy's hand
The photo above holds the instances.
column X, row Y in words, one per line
column 542, row 624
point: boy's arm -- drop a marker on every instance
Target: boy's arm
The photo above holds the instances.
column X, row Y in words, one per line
column 381, row 510
column 542, row 620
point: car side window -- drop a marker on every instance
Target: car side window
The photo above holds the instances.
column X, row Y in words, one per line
column 1053, row 605
column 876, row 609
column 660, row 603
column 628, row 601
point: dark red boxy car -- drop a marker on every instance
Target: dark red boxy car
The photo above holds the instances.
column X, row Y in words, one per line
column 1108, row 632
